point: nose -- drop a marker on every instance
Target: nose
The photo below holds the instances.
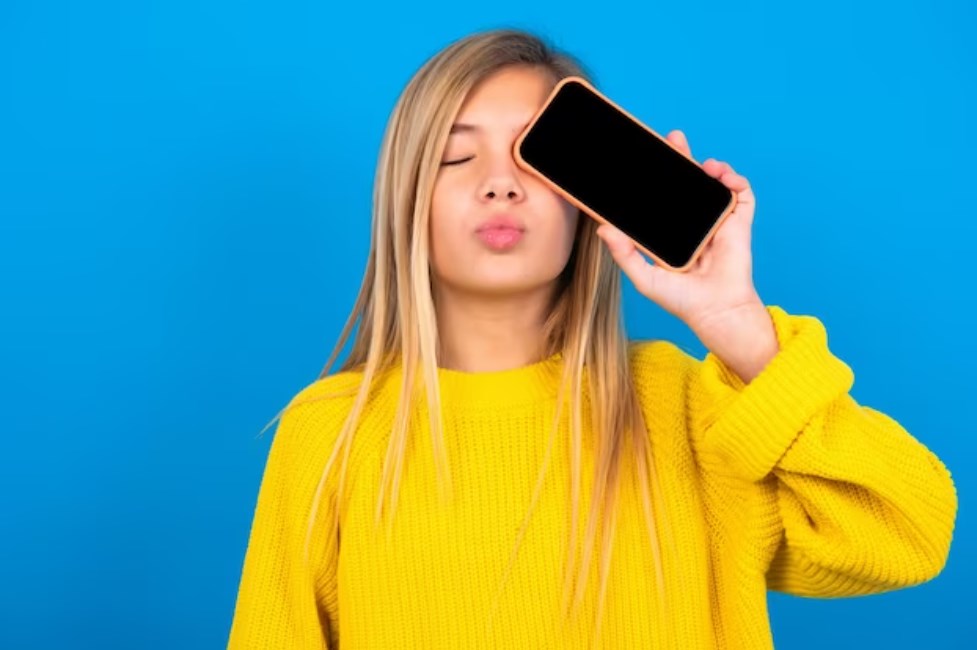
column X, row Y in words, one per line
column 502, row 180
column 511, row 194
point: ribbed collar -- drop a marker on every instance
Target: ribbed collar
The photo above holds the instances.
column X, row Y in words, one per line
column 461, row 390
column 500, row 388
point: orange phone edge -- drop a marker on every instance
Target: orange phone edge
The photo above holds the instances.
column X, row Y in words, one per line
column 592, row 213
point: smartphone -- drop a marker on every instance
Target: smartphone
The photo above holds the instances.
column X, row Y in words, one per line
column 619, row 171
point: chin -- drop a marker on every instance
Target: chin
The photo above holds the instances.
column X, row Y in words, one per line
column 500, row 284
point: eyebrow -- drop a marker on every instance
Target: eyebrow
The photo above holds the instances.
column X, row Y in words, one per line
column 462, row 127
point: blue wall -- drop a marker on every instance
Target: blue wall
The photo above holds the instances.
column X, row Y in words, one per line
column 184, row 219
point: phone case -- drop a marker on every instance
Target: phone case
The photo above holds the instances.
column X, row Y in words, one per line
column 592, row 213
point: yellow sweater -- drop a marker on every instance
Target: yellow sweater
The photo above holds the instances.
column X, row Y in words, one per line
column 785, row 483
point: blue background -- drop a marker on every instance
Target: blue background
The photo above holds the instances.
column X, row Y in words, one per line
column 184, row 221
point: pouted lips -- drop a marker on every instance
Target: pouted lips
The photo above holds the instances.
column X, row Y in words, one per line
column 502, row 221
column 500, row 232
column 500, row 238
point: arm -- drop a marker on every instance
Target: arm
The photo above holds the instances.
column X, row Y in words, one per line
column 863, row 506
column 278, row 603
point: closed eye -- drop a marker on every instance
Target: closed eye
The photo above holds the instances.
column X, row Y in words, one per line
column 456, row 162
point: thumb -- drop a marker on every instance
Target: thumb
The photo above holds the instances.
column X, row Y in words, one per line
column 645, row 276
column 617, row 242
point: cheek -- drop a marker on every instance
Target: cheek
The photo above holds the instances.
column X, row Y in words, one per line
column 446, row 202
column 550, row 203
column 568, row 222
column 444, row 227
column 570, row 234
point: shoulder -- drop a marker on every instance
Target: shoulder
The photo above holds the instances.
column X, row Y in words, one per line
column 659, row 359
column 314, row 415
column 328, row 391
column 662, row 373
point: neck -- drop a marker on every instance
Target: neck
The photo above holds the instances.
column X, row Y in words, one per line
column 490, row 334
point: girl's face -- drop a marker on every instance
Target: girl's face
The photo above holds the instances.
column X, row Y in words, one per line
column 479, row 180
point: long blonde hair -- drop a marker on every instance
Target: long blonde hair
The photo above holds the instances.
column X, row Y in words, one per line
column 397, row 314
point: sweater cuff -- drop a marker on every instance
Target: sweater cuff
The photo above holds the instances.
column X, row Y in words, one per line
column 751, row 426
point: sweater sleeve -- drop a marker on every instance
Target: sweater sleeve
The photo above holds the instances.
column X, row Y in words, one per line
column 862, row 506
column 282, row 602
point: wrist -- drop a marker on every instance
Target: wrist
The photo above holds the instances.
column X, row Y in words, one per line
column 745, row 340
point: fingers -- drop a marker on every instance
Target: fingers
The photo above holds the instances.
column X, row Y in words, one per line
column 715, row 168
column 678, row 139
column 725, row 172
column 643, row 274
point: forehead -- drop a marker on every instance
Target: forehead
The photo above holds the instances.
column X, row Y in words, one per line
column 507, row 98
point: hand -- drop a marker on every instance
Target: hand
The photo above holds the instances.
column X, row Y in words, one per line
column 718, row 288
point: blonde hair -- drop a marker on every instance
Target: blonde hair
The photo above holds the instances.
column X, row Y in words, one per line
column 397, row 313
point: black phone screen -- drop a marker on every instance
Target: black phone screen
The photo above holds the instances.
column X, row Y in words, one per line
column 614, row 166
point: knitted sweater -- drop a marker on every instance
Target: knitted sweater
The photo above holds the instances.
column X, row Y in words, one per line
column 785, row 483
